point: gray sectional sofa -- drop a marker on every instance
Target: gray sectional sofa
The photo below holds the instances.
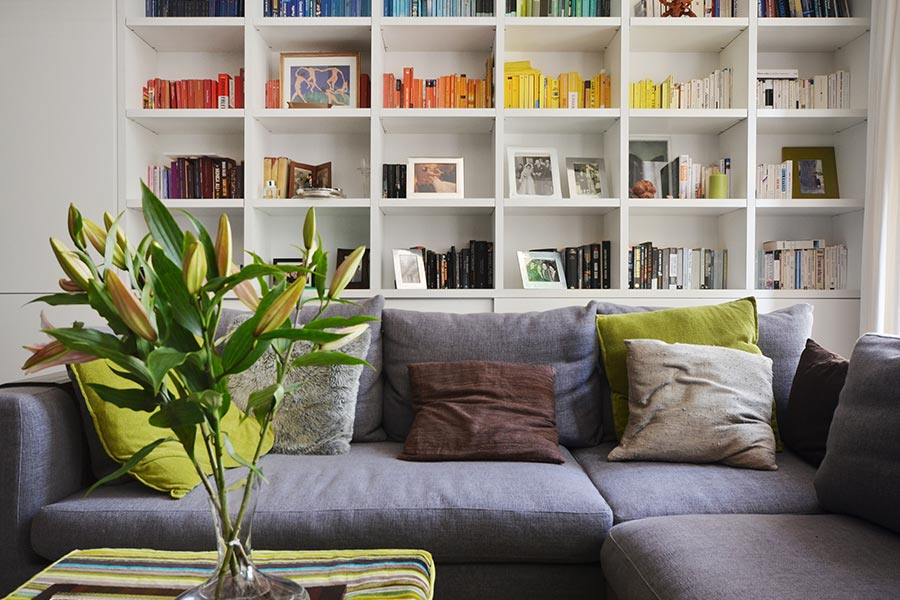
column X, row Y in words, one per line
column 584, row 529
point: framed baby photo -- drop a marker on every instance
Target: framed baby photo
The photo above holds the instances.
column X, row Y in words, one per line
column 533, row 173
column 434, row 178
column 320, row 79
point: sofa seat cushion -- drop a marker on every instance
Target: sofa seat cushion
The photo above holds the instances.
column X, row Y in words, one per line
column 750, row 557
column 636, row 490
column 459, row 511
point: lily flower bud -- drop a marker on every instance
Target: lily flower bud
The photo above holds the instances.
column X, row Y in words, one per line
column 223, row 246
column 350, row 334
column 67, row 285
column 345, row 271
column 75, row 227
column 71, row 264
column 194, row 267
column 129, row 308
column 52, row 354
column 281, row 309
column 309, row 230
column 245, row 291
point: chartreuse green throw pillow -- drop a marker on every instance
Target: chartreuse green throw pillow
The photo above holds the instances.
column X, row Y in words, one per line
column 123, row 432
column 730, row 325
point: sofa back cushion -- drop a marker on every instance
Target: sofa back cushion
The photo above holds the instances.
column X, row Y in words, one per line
column 563, row 338
column 860, row 474
column 367, row 424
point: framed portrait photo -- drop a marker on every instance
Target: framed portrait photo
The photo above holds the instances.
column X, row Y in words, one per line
column 814, row 171
column 434, row 178
column 320, row 78
column 533, row 173
column 542, row 270
column 360, row 280
column 587, row 178
column 409, row 270
column 301, row 176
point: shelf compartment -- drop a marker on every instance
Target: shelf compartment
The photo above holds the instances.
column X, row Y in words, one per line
column 678, row 207
column 805, row 207
column 438, row 34
column 809, row 34
column 809, row 120
column 527, row 207
column 560, row 34
column 438, row 120
column 652, row 34
column 190, row 34
column 314, row 120
column 189, row 120
column 559, row 120
column 433, row 294
column 808, row 294
column 683, row 120
column 437, row 206
column 330, row 33
column 280, row 207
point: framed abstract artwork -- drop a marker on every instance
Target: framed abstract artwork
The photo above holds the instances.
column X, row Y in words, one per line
column 320, row 79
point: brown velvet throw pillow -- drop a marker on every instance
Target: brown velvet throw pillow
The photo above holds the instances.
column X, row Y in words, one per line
column 814, row 397
column 478, row 410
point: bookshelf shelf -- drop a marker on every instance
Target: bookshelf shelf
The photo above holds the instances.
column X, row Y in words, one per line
column 436, row 206
column 580, row 207
column 677, row 207
column 322, row 33
column 190, row 34
column 436, row 294
column 188, row 120
column 201, row 205
column 809, row 34
column 811, row 120
column 649, row 34
column 560, row 34
column 559, row 120
column 314, row 120
column 804, row 207
column 687, row 121
column 438, row 34
column 438, row 120
column 799, row 295
column 280, row 207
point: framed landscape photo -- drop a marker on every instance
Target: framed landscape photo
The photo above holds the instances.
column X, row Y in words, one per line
column 320, row 78
column 434, row 178
column 533, row 173
column 587, row 178
column 646, row 159
column 814, row 171
column 360, row 280
column 409, row 270
column 542, row 270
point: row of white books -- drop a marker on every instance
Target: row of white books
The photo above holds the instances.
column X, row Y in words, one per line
column 714, row 91
column 775, row 182
column 802, row 265
column 784, row 89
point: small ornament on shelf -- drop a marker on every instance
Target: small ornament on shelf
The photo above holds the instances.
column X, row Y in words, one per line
column 677, row 8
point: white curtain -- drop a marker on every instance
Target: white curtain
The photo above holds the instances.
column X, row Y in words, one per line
column 881, row 239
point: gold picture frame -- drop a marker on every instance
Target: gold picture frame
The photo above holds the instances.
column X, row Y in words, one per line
column 320, row 78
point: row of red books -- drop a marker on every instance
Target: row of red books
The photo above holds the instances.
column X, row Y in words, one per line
column 448, row 91
column 224, row 92
column 273, row 93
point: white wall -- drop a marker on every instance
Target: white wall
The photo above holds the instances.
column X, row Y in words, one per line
column 57, row 145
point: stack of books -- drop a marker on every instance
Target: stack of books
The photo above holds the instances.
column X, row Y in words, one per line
column 466, row 268
column 449, row 91
column 774, row 182
column 587, row 266
column 557, row 8
column 317, row 8
column 393, row 180
column 783, row 88
column 527, row 87
column 701, row 8
column 224, row 92
column 804, row 8
column 194, row 8
column 714, row 91
column 802, row 265
column 438, row 8
column 197, row 177
column 683, row 178
column 652, row 268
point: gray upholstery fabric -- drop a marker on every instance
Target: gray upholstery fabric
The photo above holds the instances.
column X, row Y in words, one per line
column 861, row 471
column 518, row 582
column 752, row 557
column 367, row 425
column 697, row 404
column 459, row 511
column 782, row 337
column 636, row 490
column 318, row 417
column 564, row 338
column 43, row 460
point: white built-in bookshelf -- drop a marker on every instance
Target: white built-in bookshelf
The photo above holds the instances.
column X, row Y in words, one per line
column 628, row 48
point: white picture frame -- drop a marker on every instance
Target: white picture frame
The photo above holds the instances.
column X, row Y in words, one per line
column 409, row 270
column 435, row 178
column 533, row 173
column 587, row 178
column 542, row 270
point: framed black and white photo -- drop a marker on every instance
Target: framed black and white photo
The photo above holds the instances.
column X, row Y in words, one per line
column 360, row 280
column 542, row 270
column 434, row 178
column 646, row 159
column 533, row 173
column 587, row 178
column 409, row 270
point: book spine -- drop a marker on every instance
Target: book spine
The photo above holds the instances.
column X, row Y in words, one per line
column 572, row 268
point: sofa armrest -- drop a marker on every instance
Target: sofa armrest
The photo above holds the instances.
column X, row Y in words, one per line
column 42, row 460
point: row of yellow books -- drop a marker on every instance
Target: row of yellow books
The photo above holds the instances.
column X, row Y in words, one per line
column 527, row 87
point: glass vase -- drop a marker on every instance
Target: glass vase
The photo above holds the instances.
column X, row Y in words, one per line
column 235, row 576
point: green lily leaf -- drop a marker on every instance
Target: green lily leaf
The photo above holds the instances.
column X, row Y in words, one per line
column 162, row 224
column 237, row 485
column 314, row 359
column 264, row 402
column 229, row 447
column 243, row 344
column 174, row 294
column 125, row 468
column 62, row 299
column 337, row 322
column 221, row 285
column 182, row 417
column 100, row 300
column 111, row 240
column 320, row 259
column 101, row 345
column 160, row 361
column 141, row 400
column 316, row 336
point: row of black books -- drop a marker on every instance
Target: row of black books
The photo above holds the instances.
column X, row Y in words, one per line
column 652, row 268
column 587, row 266
column 463, row 269
column 194, row 8
column 393, row 181
column 804, row 8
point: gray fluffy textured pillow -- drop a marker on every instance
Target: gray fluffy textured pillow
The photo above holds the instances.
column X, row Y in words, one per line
column 318, row 417
column 698, row 404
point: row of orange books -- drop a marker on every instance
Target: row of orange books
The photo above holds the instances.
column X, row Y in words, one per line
column 448, row 91
column 224, row 92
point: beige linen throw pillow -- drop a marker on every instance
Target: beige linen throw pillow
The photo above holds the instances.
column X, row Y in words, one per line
column 698, row 404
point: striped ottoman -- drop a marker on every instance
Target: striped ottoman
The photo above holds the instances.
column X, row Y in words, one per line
column 368, row 574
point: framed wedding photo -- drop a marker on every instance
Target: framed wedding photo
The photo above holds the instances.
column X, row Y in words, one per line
column 320, row 79
column 587, row 178
column 533, row 173
column 409, row 270
column 434, row 178
column 542, row 270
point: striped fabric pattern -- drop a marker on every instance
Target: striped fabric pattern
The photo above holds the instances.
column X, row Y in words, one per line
column 368, row 574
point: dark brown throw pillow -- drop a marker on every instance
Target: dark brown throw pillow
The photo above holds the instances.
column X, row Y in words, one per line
column 814, row 396
column 478, row 410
